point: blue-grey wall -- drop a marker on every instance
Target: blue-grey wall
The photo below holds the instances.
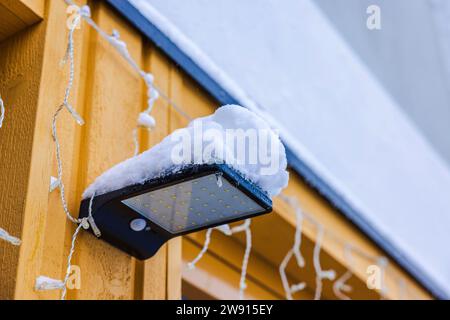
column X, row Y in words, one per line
column 407, row 55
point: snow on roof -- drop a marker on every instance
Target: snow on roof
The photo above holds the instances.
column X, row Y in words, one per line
column 297, row 72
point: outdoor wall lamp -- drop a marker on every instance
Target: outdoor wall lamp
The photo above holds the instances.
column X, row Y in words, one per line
column 139, row 219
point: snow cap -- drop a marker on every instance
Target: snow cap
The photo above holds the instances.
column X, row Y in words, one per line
column 232, row 135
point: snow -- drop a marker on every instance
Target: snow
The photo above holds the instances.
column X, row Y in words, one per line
column 304, row 80
column 206, row 140
column 146, row 120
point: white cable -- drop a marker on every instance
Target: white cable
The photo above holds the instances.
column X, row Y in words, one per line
column 90, row 219
column 123, row 51
column 320, row 274
column 2, row 111
column 248, row 248
column 242, row 227
column 294, row 251
column 4, row 235
column 340, row 286
column 245, row 226
column 294, row 204
column 298, row 238
column 191, row 265
column 153, row 92
column 69, row 258
column 70, row 56
column 59, row 167
column 284, row 279
column 45, row 283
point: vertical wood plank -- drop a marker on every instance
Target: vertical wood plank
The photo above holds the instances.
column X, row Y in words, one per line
column 154, row 269
column 58, row 229
column 176, row 94
column 113, row 106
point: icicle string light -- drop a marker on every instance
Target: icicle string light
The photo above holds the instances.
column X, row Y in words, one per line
column 248, row 248
column 320, row 274
column 45, row 283
column 4, row 235
column 144, row 120
column 83, row 224
column 379, row 260
column 340, row 286
column 191, row 265
column 225, row 229
column 2, row 112
column 294, row 251
column 153, row 91
column 68, row 56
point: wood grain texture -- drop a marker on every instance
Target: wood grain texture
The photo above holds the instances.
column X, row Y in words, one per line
column 21, row 61
column 112, row 107
column 154, row 270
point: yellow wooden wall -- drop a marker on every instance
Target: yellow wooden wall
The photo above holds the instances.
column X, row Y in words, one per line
column 109, row 95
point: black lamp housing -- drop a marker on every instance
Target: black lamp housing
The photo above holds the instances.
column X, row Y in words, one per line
column 139, row 219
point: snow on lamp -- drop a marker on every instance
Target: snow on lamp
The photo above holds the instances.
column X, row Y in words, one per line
column 144, row 201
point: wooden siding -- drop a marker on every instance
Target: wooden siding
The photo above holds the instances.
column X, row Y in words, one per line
column 109, row 95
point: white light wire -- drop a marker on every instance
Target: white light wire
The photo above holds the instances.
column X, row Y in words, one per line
column 244, row 227
column 2, row 111
column 69, row 261
column 248, row 248
column 320, row 274
column 294, row 251
column 123, row 51
column 191, row 265
column 70, row 56
column 3, row 233
column 340, row 286
column 85, row 223
column 380, row 260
